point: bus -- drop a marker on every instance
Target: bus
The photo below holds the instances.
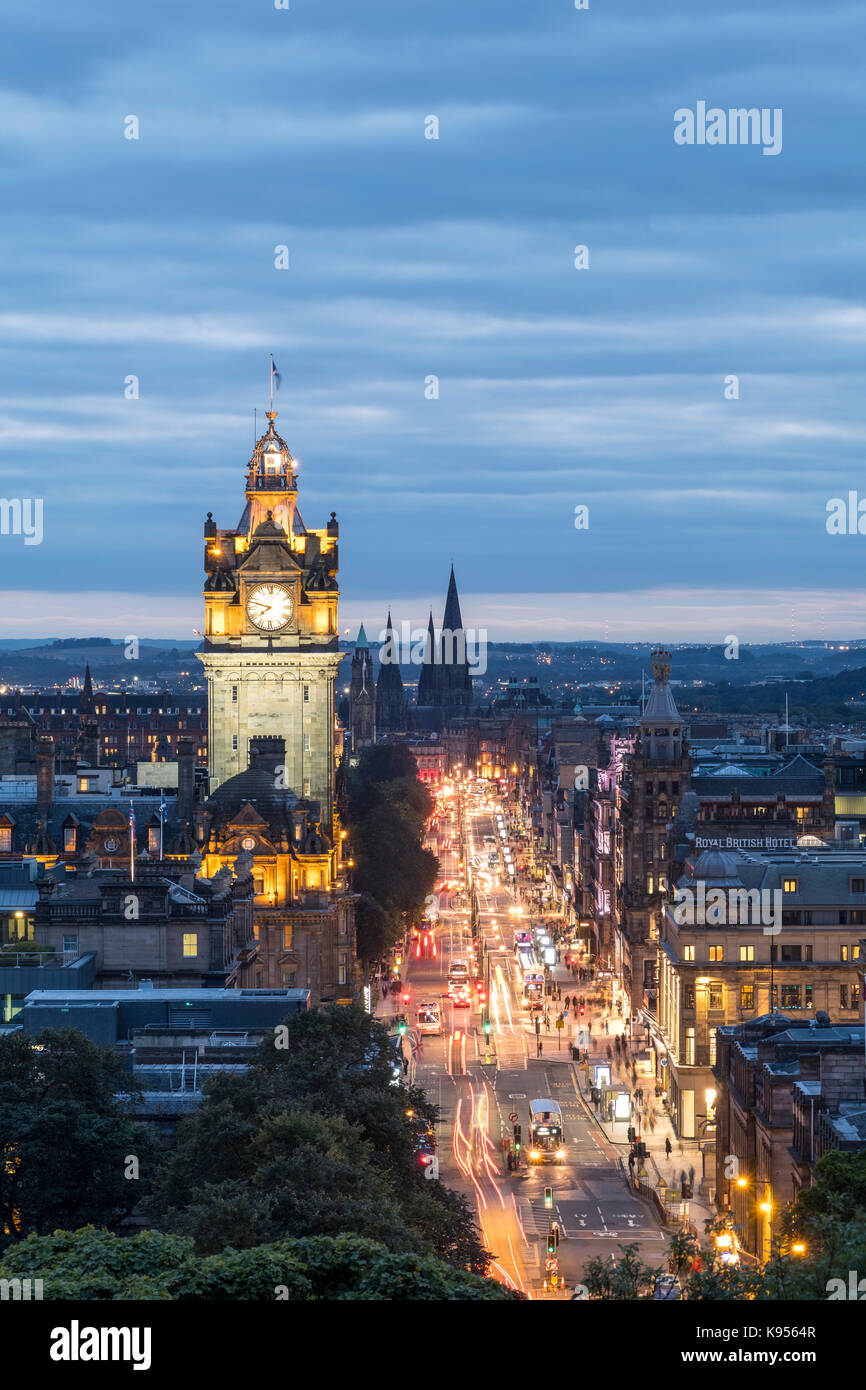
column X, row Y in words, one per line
column 546, row 1144
column 428, row 1018
column 531, row 977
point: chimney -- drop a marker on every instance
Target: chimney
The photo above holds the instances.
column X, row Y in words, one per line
column 44, row 775
column 185, row 779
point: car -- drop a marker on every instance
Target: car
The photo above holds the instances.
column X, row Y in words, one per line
column 460, row 996
column 458, row 970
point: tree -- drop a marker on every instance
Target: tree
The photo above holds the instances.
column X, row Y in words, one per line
column 95, row 1264
column 313, row 1138
column 67, row 1134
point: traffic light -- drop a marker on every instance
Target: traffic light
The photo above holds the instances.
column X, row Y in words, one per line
column 548, row 1198
column 517, row 1133
column 488, row 1027
column 552, row 1240
column 401, row 1027
column 581, row 1011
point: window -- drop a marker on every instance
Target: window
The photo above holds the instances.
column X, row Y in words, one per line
column 287, row 938
column 792, row 919
column 153, row 839
column 69, row 945
column 306, row 791
column 234, row 743
column 855, row 996
column 190, row 943
column 790, row 997
column 843, row 996
column 5, row 837
column 689, row 1058
column 858, row 885
column 747, row 996
column 843, row 953
column 716, row 996
column 306, row 694
column 809, row 996
column 70, row 837
column 789, row 885
column 792, row 953
column 688, row 953
column 713, row 1032
column 747, row 953
column 717, row 953
column 258, row 884
column 234, row 694
column 306, row 743
column 650, row 884
column 689, row 997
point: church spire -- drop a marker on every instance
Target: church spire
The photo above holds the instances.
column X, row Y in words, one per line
column 453, row 621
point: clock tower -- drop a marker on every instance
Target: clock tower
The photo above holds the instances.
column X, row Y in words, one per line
column 270, row 638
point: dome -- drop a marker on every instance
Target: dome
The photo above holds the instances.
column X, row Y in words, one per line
column 257, row 785
column 714, row 866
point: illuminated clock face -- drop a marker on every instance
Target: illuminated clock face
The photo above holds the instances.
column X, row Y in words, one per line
column 248, row 842
column 269, row 606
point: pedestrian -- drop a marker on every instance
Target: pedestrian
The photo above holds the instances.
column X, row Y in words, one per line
column 606, row 1029
column 652, row 1123
column 538, row 1047
column 692, row 1175
column 609, row 1053
column 683, row 1179
column 668, row 1147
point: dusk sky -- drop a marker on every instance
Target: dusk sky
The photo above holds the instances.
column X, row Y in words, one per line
column 411, row 257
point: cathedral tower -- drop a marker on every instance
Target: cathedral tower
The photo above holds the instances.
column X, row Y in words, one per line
column 270, row 639
column 390, row 696
column 362, row 694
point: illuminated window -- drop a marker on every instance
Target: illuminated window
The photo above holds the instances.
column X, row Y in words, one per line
column 789, row 885
column 5, row 837
column 70, row 837
column 717, row 953
column 688, row 953
column 190, row 943
column 287, row 938
column 713, row 1032
column 747, row 953
column 747, row 996
column 716, row 996
column 689, row 1058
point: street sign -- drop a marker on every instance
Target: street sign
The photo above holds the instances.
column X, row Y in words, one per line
column 551, row 1265
column 560, row 1023
column 514, row 1117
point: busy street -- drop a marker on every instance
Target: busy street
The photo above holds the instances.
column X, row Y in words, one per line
column 493, row 1051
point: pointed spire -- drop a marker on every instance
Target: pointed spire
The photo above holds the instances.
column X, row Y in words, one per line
column 453, row 621
column 361, row 639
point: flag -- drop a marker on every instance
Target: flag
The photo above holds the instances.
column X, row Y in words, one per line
column 131, row 818
column 275, row 376
column 163, row 809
